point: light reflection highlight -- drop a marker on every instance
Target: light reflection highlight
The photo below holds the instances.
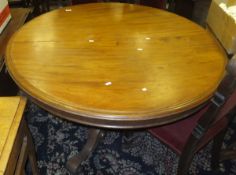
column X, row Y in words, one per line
column 68, row 10
column 91, row 40
column 108, row 83
column 140, row 49
column 144, row 89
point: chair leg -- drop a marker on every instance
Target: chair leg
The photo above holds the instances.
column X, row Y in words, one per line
column 36, row 6
column 216, row 148
column 48, row 5
column 185, row 162
column 31, row 152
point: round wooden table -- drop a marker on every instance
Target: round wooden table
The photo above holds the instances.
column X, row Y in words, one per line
column 115, row 65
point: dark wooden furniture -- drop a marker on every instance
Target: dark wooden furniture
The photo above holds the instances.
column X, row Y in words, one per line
column 188, row 136
column 154, row 3
column 230, row 151
column 16, row 145
column 19, row 16
column 184, row 8
column 43, row 6
column 118, row 72
column 34, row 5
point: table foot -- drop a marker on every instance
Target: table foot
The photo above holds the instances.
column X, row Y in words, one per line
column 94, row 136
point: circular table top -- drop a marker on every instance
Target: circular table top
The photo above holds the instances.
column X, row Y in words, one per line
column 115, row 65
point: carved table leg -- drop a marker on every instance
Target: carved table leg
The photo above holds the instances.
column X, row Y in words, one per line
column 94, row 136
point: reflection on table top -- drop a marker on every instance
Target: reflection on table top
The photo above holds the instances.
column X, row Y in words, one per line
column 115, row 65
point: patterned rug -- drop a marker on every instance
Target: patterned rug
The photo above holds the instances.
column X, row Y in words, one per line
column 56, row 140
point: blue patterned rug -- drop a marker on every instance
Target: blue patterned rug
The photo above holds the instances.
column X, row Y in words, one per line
column 56, row 140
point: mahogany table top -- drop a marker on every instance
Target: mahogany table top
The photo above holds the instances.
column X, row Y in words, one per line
column 115, row 65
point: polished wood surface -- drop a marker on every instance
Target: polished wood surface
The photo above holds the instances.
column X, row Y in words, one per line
column 16, row 144
column 19, row 16
column 108, row 63
column 11, row 114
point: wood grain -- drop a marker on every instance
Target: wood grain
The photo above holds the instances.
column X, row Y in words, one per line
column 11, row 114
column 107, row 63
column 19, row 16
